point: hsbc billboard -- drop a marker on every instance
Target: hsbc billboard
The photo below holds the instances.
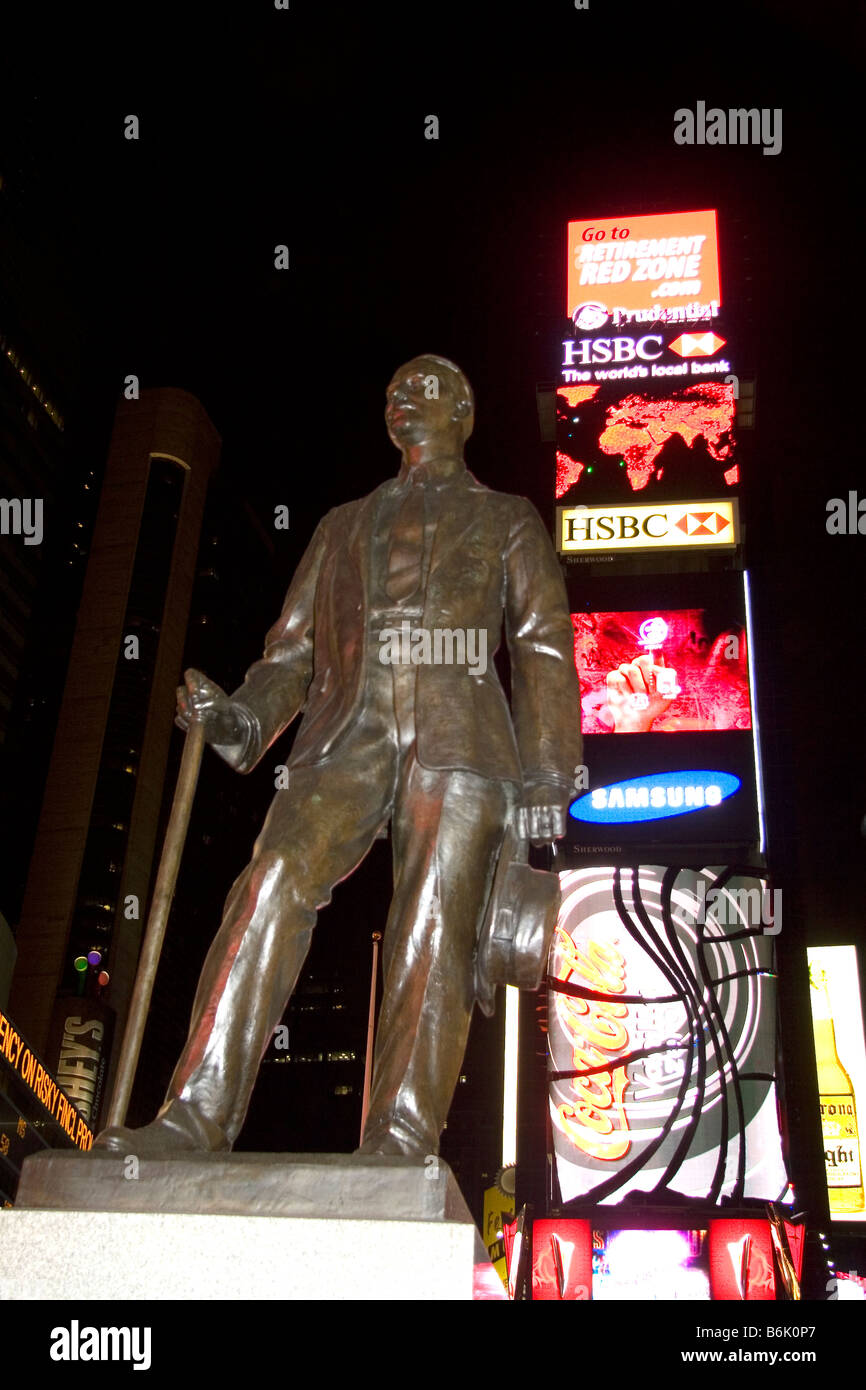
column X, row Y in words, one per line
column 697, row 525
column 645, row 401
column 644, row 356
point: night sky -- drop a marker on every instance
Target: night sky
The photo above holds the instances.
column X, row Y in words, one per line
column 306, row 127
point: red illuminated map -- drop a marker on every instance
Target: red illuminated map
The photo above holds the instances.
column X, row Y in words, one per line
column 637, row 428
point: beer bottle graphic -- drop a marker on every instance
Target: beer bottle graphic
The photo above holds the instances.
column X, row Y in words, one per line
column 838, row 1109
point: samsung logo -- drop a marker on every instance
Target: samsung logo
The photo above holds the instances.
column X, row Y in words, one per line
column 655, row 796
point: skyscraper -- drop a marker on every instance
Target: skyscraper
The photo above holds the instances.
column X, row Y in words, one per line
column 93, row 859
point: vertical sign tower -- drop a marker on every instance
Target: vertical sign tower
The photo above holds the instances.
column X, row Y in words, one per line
column 661, row 1006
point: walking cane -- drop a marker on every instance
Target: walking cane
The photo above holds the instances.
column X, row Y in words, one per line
column 157, row 919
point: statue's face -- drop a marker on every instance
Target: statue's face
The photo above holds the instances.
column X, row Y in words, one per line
column 422, row 402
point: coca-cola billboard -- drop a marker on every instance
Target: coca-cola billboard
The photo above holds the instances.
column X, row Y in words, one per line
column 662, row 1037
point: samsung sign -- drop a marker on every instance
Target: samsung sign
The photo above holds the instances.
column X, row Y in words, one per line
column 655, row 797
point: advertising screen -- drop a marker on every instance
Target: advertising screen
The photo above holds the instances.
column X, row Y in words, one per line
column 662, row 671
column 742, row 1266
column 561, row 1260
column 672, row 684
column 645, row 442
column 837, row 1026
column 648, row 1266
column 34, row 1112
column 653, row 354
column 643, row 268
column 615, row 529
column 661, row 1034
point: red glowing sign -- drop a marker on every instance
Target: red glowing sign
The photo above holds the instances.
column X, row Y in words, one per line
column 662, row 671
column 741, row 1260
column 689, row 428
column 561, row 1260
column 643, row 269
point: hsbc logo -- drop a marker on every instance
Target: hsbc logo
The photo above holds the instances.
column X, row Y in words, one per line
column 586, row 352
column 624, row 358
column 701, row 525
column 697, row 344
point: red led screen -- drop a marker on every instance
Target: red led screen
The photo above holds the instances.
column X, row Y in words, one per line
column 614, row 444
column 561, row 1260
column 741, row 1260
column 662, row 671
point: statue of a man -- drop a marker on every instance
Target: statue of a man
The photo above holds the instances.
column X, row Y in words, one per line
column 386, row 642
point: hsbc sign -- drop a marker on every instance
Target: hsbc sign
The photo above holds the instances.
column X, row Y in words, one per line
column 620, row 357
column 698, row 525
column 619, row 349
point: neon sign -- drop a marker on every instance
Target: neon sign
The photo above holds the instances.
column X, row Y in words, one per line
column 619, row 357
column 696, row 524
column 644, row 269
column 654, row 797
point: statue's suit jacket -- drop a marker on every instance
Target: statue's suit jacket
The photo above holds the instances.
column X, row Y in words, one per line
column 491, row 560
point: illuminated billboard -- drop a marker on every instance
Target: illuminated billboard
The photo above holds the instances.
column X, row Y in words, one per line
column 35, row 1113
column 611, row 529
column 643, row 269
column 662, row 671
column 837, row 1025
column 661, row 1037
column 655, row 796
column 742, row 1264
column 675, row 442
column 626, row 357
column 646, row 1266
column 561, row 1260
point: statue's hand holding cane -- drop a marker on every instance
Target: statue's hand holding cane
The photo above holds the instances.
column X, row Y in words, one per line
column 205, row 701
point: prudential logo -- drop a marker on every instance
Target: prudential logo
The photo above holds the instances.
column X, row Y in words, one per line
column 77, row 1343
column 736, row 126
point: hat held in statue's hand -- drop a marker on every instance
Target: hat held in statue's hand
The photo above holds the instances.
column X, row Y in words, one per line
column 514, row 941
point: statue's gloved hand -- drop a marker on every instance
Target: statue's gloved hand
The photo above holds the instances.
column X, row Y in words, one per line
column 208, row 702
column 541, row 818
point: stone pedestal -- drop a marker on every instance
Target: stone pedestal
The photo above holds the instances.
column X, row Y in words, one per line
column 248, row 1226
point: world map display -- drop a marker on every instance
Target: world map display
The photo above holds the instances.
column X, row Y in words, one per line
column 678, row 443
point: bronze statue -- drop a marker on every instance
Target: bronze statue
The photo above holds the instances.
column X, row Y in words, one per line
column 386, row 641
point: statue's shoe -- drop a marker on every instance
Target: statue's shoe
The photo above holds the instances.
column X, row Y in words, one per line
column 148, row 1142
column 396, row 1142
column 179, row 1130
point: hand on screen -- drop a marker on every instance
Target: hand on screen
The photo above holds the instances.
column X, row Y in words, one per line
column 638, row 692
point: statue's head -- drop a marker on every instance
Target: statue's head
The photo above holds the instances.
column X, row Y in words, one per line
column 429, row 398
